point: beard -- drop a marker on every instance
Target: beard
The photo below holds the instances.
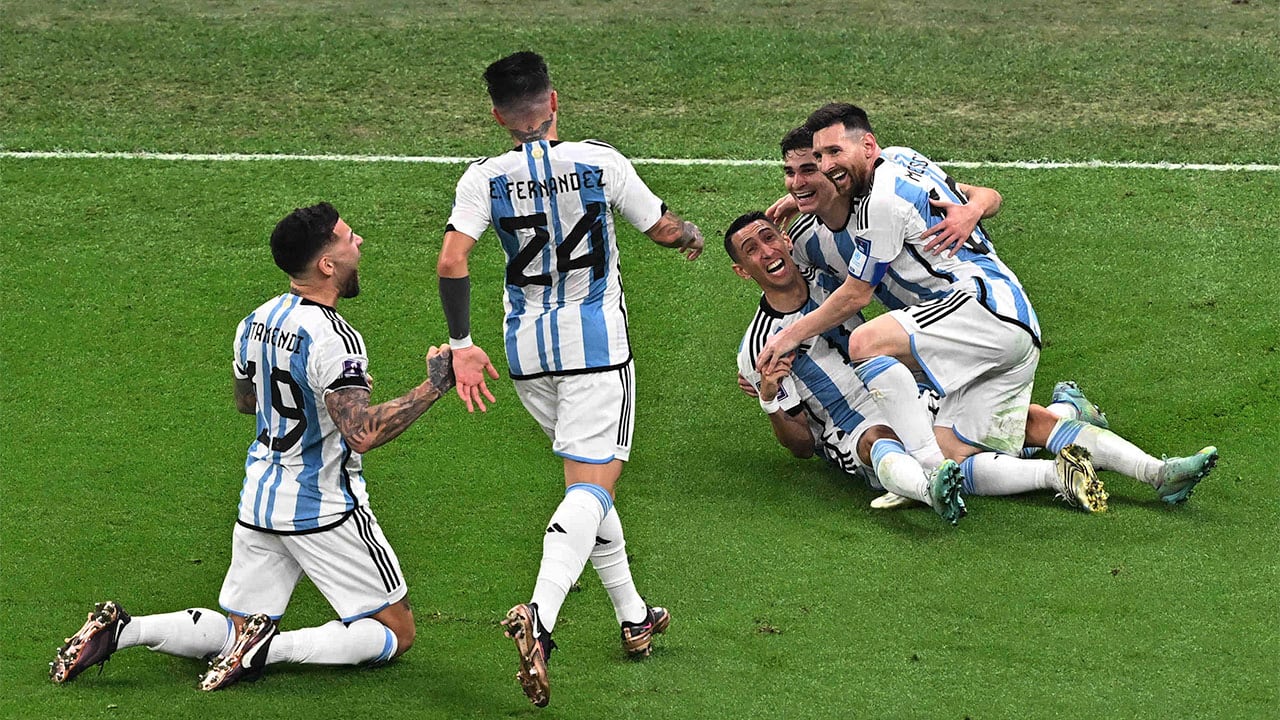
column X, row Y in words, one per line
column 351, row 287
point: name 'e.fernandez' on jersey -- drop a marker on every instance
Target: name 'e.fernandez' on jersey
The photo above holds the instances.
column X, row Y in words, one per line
column 551, row 205
column 300, row 475
column 822, row 382
column 881, row 245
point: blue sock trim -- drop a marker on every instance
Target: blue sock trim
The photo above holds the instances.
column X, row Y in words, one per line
column 1064, row 434
column 883, row 447
column 1029, row 452
column 872, row 369
column 388, row 647
column 966, row 467
column 606, row 500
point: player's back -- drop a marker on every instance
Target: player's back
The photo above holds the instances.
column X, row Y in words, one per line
column 888, row 224
column 552, row 204
column 300, row 475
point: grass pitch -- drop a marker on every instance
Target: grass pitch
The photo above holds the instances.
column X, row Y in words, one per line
column 790, row 597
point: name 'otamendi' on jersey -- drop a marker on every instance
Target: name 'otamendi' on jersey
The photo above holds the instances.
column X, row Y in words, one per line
column 552, row 205
column 300, row 475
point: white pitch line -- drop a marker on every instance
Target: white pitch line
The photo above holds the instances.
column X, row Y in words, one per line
column 444, row 160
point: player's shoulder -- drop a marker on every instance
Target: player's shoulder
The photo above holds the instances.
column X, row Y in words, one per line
column 329, row 330
column 596, row 152
column 803, row 226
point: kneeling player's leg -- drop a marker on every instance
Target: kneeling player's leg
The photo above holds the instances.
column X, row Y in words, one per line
column 881, row 450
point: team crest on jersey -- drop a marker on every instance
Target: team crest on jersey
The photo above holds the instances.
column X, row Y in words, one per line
column 352, row 368
column 861, row 256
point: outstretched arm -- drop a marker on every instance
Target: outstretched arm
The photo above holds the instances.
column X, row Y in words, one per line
column 673, row 232
column 366, row 427
column 844, row 303
column 470, row 363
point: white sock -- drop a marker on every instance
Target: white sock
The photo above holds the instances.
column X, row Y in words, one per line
column 900, row 473
column 609, row 558
column 364, row 641
column 894, row 390
column 566, row 545
column 991, row 473
column 193, row 633
column 1109, row 450
column 1064, row 410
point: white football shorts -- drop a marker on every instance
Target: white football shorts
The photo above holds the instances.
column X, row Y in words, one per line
column 983, row 367
column 588, row 416
column 352, row 565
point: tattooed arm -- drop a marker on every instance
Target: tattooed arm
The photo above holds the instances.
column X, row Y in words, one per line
column 246, row 396
column 673, row 232
column 366, row 427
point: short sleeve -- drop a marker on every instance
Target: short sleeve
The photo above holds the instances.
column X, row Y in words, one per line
column 632, row 199
column 239, row 362
column 338, row 361
column 471, row 213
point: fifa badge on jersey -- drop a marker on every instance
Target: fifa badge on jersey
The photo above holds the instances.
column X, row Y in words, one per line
column 352, row 368
column 861, row 256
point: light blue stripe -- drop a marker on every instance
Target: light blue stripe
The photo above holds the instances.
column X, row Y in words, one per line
column 937, row 386
column 365, row 614
column 829, row 395
column 966, row 467
column 606, row 500
column 388, row 647
column 284, row 421
column 873, row 368
column 587, row 460
column 885, row 446
column 595, row 331
column 553, row 219
column 541, row 320
column 306, row 509
column 265, row 411
column 1064, row 434
column 974, row 443
column 501, row 207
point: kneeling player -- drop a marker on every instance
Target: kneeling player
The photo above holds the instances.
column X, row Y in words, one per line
column 302, row 370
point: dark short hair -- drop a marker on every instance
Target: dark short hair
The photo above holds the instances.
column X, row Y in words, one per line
column 517, row 77
column 743, row 220
column 301, row 235
column 800, row 138
column 851, row 117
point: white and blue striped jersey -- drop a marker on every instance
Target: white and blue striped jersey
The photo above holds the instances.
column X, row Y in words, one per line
column 822, row 381
column 884, row 232
column 300, row 475
column 551, row 205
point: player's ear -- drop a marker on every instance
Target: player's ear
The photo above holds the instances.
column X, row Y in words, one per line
column 555, row 101
column 740, row 272
column 325, row 266
column 498, row 116
column 869, row 143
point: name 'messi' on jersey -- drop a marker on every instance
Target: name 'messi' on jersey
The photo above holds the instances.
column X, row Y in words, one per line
column 552, row 205
column 300, row 475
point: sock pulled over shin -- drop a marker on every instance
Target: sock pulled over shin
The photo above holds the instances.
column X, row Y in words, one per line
column 193, row 633
column 609, row 558
column 566, row 545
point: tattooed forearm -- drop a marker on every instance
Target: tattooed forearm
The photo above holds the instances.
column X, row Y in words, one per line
column 365, row 427
column 534, row 133
column 673, row 232
column 246, row 397
column 440, row 372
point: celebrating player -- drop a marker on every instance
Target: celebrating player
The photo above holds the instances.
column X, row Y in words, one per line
column 551, row 204
column 303, row 371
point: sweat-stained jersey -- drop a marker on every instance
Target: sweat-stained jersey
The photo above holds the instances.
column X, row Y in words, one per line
column 300, row 475
column 552, row 204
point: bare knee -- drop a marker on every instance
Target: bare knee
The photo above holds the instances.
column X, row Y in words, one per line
column 399, row 620
column 953, row 448
column 404, row 637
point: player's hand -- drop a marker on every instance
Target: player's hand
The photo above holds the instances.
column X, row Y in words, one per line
column 440, row 369
column 771, row 381
column 778, row 345
column 954, row 230
column 470, row 365
column 781, row 212
column 745, row 386
column 691, row 241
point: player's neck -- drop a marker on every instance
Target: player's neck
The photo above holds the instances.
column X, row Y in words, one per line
column 327, row 296
column 788, row 299
column 836, row 214
column 543, row 131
